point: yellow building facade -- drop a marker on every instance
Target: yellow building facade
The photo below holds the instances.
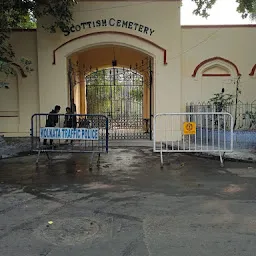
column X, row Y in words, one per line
column 177, row 64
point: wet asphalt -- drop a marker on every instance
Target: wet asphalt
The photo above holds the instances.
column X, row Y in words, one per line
column 127, row 206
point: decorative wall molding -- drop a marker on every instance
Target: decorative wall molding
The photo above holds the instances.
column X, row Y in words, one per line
column 114, row 33
column 229, row 67
column 253, row 71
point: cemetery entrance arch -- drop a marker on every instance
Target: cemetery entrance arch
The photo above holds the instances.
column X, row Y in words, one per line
column 115, row 81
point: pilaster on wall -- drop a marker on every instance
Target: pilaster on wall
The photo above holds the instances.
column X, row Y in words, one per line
column 82, row 90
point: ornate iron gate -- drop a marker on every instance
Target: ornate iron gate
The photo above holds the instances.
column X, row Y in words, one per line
column 118, row 93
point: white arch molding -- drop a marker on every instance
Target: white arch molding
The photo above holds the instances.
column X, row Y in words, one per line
column 117, row 34
column 54, row 78
column 82, row 44
column 96, row 41
column 97, row 45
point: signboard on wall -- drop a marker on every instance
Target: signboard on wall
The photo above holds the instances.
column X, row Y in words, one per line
column 55, row 133
column 101, row 23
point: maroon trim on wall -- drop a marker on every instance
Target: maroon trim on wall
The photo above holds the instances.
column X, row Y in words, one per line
column 212, row 59
column 253, row 70
column 115, row 33
column 216, row 75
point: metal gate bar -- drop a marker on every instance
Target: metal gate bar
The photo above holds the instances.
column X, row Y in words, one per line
column 118, row 93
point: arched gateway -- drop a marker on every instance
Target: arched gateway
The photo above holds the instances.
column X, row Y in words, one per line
column 114, row 62
column 115, row 81
column 129, row 60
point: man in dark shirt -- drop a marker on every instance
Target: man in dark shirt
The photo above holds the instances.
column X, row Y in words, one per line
column 70, row 120
column 52, row 120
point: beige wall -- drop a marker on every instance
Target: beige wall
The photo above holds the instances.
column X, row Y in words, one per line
column 174, row 85
column 235, row 44
column 21, row 100
column 166, row 24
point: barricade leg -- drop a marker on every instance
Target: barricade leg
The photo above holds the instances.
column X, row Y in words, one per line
column 161, row 155
column 47, row 154
column 98, row 161
column 38, row 155
column 222, row 159
column 91, row 161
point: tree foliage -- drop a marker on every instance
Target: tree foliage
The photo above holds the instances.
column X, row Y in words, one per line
column 23, row 14
column 115, row 96
column 245, row 7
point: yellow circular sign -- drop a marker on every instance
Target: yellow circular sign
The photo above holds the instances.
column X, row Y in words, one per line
column 189, row 127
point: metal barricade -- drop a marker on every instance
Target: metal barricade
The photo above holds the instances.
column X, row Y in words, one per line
column 69, row 133
column 193, row 132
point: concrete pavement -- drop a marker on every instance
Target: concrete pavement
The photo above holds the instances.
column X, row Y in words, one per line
column 129, row 206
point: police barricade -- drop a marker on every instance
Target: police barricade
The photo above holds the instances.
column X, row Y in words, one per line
column 193, row 132
column 69, row 133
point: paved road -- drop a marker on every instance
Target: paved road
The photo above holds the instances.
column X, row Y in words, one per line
column 129, row 206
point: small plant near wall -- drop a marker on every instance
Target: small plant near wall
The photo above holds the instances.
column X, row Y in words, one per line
column 220, row 101
column 223, row 101
column 238, row 92
column 251, row 116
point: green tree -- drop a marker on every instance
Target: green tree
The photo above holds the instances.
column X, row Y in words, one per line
column 27, row 22
column 245, row 7
column 253, row 12
column 137, row 92
column 99, row 89
column 23, row 14
column 112, row 95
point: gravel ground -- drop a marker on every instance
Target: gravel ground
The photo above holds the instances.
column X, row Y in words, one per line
column 126, row 207
column 11, row 147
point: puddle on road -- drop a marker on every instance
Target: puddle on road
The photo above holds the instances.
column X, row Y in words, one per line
column 123, row 167
column 69, row 169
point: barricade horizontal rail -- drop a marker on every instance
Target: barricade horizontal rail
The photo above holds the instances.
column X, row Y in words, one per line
column 69, row 133
column 193, row 132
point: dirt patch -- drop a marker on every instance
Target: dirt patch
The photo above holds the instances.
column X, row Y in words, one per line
column 13, row 147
